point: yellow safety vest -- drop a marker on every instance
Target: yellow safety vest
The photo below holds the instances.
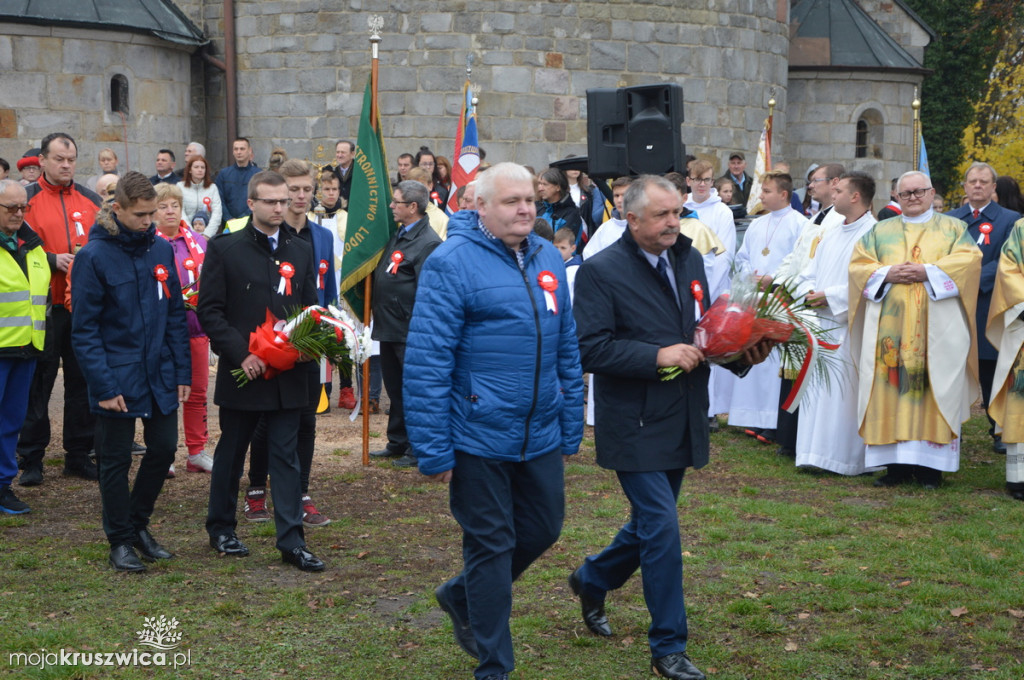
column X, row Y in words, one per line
column 235, row 224
column 23, row 299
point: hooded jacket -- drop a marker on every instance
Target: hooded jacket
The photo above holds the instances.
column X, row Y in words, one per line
column 128, row 333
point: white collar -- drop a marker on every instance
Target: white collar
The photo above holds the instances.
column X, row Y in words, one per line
column 920, row 219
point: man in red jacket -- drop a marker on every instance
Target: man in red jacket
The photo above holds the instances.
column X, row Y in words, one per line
column 61, row 212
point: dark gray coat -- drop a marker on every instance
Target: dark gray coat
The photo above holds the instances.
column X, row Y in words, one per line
column 624, row 313
column 395, row 293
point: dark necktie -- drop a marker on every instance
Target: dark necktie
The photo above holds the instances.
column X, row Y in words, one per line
column 976, row 213
column 663, row 270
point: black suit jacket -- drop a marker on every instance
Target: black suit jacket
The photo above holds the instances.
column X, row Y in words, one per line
column 239, row 284
column 346, row 181
column 624, row 313
column 395, row 293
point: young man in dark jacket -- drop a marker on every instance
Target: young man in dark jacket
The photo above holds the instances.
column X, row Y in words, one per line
column 247, row 273
column 129, row 333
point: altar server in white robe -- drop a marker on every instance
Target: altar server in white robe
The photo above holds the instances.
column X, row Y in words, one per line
column 768, row 240
column 827, row 436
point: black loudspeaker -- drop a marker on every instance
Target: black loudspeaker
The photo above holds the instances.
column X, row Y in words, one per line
column 635, row 130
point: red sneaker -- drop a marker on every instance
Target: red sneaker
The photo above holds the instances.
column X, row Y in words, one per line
column 310, row 516
column 346, row 398
column 256, row 504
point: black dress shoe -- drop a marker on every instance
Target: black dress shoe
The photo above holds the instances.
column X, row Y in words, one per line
column 1017, row 494
column 460, row 624
column 82, row 468
column 123, row 558
column 593, row 610
column 406, row 461
column 386, row 453
column 149, row 549
column 32, row 475
column 713, row 424
column 303, row 559
column 895, row 475
column 766, row 436
column 228, row 544
column 997, row 444
column 676, row 667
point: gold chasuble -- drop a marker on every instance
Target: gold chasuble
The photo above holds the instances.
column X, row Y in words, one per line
column 704, row 240
column 916, row 357
column 1005, row 331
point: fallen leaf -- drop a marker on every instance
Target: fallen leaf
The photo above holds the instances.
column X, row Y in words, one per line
column 958, row 612
column 874, row 664
column 792, row 647
column 751, row 596
column 803, row 615
column 1016, row 613
column 362, row 554
column 904, row 584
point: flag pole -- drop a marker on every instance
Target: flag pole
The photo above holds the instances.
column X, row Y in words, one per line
column 916, row 105
column 376, row 23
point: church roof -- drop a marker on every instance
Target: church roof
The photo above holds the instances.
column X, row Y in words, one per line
column 840, row 35
column 160, row 18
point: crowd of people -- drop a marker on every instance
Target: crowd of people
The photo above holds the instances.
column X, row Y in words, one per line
column 487, row 318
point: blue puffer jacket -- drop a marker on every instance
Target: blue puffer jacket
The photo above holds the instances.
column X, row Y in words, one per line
column 128, row 341
column 489, row 370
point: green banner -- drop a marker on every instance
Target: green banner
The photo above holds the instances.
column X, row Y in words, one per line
column 370, row 222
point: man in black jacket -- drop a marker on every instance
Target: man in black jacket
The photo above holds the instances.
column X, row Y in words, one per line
column 394, row 292
column 637, row 305
column 247, row 273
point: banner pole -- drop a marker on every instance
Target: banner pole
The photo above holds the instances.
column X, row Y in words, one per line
column 376, row 23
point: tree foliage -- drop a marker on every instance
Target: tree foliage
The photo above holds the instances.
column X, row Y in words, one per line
column 970, row 36
column 997, row 134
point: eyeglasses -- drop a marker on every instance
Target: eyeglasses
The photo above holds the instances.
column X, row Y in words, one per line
column 23, row 208
column 271, row 202
column 393, row 202
column 916, row 193
column 701, row 180
column 820, row 179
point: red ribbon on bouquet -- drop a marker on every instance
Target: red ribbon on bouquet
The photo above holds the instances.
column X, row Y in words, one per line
column 271, row 345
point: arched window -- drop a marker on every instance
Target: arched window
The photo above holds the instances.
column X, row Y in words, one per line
column 868, row 139
column 119, row 94
column 861, row 146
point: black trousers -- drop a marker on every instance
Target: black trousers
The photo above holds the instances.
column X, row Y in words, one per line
column 786, row 426
column 125, row 512
column 986, row 373
column 392, row 358
column 259, row 455
column 237, row 428
column 79, row 422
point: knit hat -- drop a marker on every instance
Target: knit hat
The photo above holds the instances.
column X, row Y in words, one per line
column 201, row 215
column 27, row 160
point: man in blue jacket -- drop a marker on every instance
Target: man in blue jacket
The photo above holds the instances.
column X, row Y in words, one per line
column 989, row 225
column 493, row 400
column 129, row 334
column 233, row 181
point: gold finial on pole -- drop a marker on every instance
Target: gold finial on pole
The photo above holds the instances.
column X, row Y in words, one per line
column 771, row 101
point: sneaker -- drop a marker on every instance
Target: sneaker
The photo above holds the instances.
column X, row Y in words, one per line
column 374, row 406
column 138, row 449
column 346, row 398
column 256, row 504
column 310, row 516
column 31, row 474
column 201, row 462
column 170, row 472
column 10, row 503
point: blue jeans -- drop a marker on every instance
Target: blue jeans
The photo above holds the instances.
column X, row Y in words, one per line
column 510, row 513
column 650, row 542
column 15, row 379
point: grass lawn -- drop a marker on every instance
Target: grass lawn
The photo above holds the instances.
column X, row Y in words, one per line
column 789, row 574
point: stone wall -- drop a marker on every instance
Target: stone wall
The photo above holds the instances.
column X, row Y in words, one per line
column 303, row 65
column 824, row 109
column 58, row 79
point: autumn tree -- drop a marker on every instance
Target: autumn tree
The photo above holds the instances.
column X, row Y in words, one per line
column 970, row 36
column 997, row 134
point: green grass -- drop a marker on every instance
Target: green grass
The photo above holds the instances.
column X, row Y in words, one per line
column 787, row 575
